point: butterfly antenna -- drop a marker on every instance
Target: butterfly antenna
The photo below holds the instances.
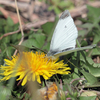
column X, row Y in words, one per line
column 39, row 49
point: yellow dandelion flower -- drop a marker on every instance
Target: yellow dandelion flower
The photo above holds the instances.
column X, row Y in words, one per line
column 30, row 66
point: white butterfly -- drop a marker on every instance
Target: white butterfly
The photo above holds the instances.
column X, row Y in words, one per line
column 64, row 37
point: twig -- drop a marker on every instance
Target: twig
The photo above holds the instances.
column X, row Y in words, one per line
column 76, row 80
column 10, row 33
column 20, row 26
column 80, row 84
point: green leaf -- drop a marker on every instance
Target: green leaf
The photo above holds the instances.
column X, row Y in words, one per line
column 87, row 25
column 14, row 37
column 90, row 78
column 20, row 47
column 9, row 51
column 94, row 68
column 91, row 62
column 87, row 98
column 48, row 27
column 40, row 38
column 1, row 13
column 75, row 74
column 82, row 33
column 10, row 21
column 37, row 41
column 88, row 63
column 57, row 10
column 96, row 38
column 27, row 96
column 62, row 4
column 46, row 47
column 92, row 10
column 4, row 92
column 97, row 84
column 31, row 42
column 6, row 39
column 84, row 43
column 95, row 51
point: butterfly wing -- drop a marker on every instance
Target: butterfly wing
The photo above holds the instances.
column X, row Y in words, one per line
column 73, row 50
column 65, row 34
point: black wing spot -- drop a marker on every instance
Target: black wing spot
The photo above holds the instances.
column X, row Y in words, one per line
column 65, row 26
column 67, row 49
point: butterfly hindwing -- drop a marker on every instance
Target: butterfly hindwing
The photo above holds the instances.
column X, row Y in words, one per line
column 73, row 50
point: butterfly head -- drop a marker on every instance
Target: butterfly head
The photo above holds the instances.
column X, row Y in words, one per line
column 50, row 54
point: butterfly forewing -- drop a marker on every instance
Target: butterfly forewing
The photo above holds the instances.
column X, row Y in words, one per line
column 65, row 33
